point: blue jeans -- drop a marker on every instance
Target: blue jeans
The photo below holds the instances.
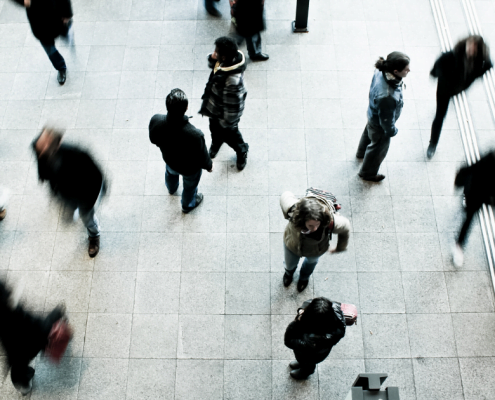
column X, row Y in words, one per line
column 253, row 43
column 190, row 183
column 291, row 261
column 55, row 57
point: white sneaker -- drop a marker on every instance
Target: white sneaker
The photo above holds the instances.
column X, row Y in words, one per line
column 457, row 255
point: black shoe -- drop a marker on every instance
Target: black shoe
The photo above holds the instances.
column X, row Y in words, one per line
column 213, row 12
column 294, row 365
column 287, row 279
column 359, row 157
column 301, row 285
column 376, row 178
column 199, row 199
column 241, row 160
column 296, row 374
column 260, row 57
column 62, row 76
column 431, row 151
column 171, row 193
column 214, row 151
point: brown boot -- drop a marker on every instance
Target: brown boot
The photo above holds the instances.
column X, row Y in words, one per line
column 94, row 246
column 3, row 213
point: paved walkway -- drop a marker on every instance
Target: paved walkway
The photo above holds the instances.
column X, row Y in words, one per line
column 192, row 306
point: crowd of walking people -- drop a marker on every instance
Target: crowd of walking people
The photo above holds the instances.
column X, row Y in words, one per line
column 79, row 183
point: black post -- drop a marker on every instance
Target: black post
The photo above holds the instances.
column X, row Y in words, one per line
column 301, row 22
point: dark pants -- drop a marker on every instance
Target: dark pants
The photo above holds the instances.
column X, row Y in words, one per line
column 55, row 57
column 373, row 146
column 209, row 4
column 307, row 362
column 253, row 43
column 190, row 183
column 473, row 204
column 443, row 98
column 231, row 135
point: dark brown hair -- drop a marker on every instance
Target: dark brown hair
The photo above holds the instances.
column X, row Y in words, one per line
column 483, row 50
column 319, row 317
column 395, row 61
column 310, row 209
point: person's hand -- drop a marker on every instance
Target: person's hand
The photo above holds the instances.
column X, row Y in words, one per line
column 65, row 20
column 211, row 169
column 27, row 3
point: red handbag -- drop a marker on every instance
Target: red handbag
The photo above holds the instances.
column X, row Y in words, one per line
column 350, row 313
column 58, row 340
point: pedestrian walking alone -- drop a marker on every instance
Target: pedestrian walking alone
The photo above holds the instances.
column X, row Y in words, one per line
column 50, row 19
column 318, row 326
column 479, row 188
column 74, row 178
column 23, row 335
column 224, row 98
column 183, row 149
column 312, row 221
column 385, row 106
column 247, row 17
column 456, row 70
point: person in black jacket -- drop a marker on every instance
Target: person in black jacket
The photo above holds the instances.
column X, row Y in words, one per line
column 456, row 70
column 50, row 19
column 74, row 178
column 183, row 149
column 23, row 335
column 247, row 16
column 479, row 189
column 319, row 325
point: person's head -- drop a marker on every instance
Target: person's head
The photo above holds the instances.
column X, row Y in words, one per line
column 473, row 46
column 397, row 63
column 47, row 143
column 309, row 214
column 225, row 50
column 176, row 103
column 319, row 316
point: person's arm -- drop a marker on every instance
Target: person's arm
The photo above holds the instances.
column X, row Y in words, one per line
column 234, row 96
column 386, row 114
column 153, row 128
column 441, row 64
column 341, row 227
column 295, row 341
column 287, row 200
column 207, row 163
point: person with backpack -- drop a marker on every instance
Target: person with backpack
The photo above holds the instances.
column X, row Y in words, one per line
column 312, row 220
column 319, row 325
column 479, row 189
column 385, row 106
column 456, row 70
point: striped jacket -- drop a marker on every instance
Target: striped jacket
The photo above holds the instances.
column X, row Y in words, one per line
column 225, row 93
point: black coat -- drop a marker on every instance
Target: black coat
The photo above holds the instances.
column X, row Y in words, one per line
column 45, row 18
column 478, row 181
column 183, row 146
column 73, row 175
column 450, row 71
column 249, row 16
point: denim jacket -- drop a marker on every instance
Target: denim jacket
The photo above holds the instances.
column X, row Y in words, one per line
column 385, row 102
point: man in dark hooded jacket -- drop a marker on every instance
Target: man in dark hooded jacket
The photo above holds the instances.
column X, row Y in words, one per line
column 224, row 98
column 50, row 19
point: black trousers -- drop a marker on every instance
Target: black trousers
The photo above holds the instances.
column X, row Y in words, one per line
column 443, row 98
column 308, row 362
column 231, row 135
column 472, row 207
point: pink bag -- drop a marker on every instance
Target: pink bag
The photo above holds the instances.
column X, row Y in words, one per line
column 350, row 313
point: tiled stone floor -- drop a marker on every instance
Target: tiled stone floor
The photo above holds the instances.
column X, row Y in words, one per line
column 192, row 306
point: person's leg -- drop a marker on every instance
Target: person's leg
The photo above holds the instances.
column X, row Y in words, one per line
column 375, row 152
column 217, row 137
column 253, row 44
column 363, row 143
column 22, row 376
column 443, row 99
column 470, row 213
column 171, row 180
column 190, row 191
column 91, row 223
column 306, row 366
column 210, row 7
column 291, row 261
column 308, row 267
column 55, row 57
column 234, row 139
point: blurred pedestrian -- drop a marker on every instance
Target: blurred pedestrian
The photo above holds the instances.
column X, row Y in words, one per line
column 456, row 70
column 312, row 220
column 211, row 9
column 50, row 19
column 183, row 149
column 23, row 335
column 74, row 178
column 224, row 97
column 385, row 106
column 318, row 326
column 247, row 16
column 479, row 188
column 4, row 198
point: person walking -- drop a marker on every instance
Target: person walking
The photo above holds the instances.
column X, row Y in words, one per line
column 183, row 149
column 224, row 98
column 49, row 20
column 247, row 17
column 456, row 70
column 23, row 335
column 318, row 326
column 312, row 220
column 385, row 106
column 479, row 189
column 74, row 178
column 211, row 9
